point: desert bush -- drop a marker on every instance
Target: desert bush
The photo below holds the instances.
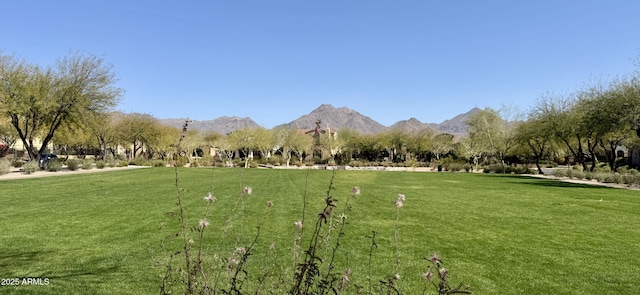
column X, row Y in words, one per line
column 588, row 175
column 5, row 167
column 599, row 176
column 73, row 164
column 122, row 163
column 207, row 161
column 631, row 179
column 561, row 172
column 17, row 163
column 54, row 165
column 578, row 174
column 30, row 167
column 602, row 167
column 633, row 171
column 159, row 163
column 101, row 164
column 617, row 178
column 453, row 167
column 521, row 170
column 467, row 167
column 146, row 162
column 87, row 164
column 613, row 178
column 355, row 163
column 622, row 169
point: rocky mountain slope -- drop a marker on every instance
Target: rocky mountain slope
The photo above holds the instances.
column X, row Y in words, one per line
column 334, row 118
column 222, row 125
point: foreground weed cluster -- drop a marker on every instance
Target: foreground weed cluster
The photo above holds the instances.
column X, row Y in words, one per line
column 189, row 270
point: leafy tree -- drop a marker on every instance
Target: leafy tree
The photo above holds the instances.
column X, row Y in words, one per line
column 494, row 130
column 419, row 144
column 163, row 144
column 103, row 128
column 367, row 147
column 245, row 141
column 8, row 136
column 74, row 139
column 137, row 130
column 263, row 142
column 292, row 142
column 39, row 100
column 442, row 144
column 536, row 135
column 472, row 150
column 565, row 117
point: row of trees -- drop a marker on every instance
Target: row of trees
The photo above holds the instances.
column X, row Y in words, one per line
column 69, row 104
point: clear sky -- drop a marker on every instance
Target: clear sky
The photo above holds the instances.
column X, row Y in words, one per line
column 275, row 61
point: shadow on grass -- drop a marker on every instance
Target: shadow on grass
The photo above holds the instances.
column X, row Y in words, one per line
column 536, row 181
column 14, row 258
column 18, row 260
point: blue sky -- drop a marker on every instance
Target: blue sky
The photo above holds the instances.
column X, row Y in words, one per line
column 275, row 61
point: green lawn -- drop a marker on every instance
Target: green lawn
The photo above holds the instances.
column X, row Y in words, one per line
column 502, row 234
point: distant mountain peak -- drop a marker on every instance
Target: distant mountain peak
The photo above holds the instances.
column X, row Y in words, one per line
column 337, row 118
column 334, row 118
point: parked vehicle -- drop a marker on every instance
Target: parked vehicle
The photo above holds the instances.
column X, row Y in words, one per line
column 46, row 158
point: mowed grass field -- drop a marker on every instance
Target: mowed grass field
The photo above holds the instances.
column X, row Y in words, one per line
column 501, row 234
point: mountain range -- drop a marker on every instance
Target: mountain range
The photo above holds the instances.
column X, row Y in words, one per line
column 334, row 118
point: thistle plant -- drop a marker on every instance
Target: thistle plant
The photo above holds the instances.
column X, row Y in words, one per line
column 438, row 276
column 314, row 269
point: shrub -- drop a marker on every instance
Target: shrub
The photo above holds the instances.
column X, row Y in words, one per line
column 498, row 169
column 73, row 164
column 633, row 171
column 87, row 164
column 54, row 165
column 101, row 164
column 599, row 176
column 578, row 174
column 610, row 178
column 622, row 169
column 122, row 163
column 560, row 172
column 159, row 163
column 588, row 175
column 5, row 167
column 142, row 162
column 467, row 167
column 453, row 167
column 631, row 179
column 617, row 178
column 601, row 168
column 180, row 162
column 30, row 167
column 17, row 163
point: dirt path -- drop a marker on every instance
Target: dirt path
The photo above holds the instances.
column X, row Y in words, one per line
column 16, row 173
